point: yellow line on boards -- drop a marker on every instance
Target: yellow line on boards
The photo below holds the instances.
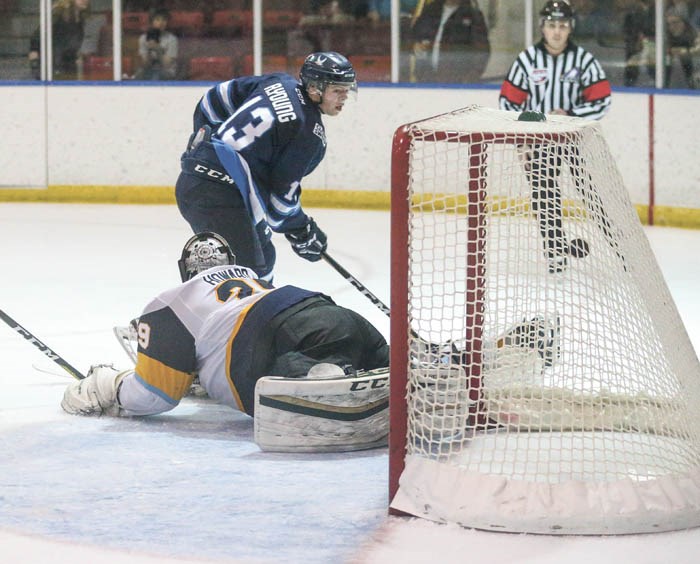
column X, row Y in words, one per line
column 342, row 199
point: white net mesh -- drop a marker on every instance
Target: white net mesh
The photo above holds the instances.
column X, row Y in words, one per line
column 568, row 365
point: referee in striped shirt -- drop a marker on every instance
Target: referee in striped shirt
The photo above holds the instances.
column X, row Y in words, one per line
column 556, row 76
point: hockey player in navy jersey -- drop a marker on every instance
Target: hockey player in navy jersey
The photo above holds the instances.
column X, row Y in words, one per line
column 230, row 328
column 255, row 138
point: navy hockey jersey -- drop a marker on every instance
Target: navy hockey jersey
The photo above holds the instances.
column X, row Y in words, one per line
column 268, row 135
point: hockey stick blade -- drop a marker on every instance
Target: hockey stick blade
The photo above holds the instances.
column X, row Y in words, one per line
column 53, row 372
column 58, row 359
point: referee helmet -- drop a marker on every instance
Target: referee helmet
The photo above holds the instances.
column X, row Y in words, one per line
column 555, row 10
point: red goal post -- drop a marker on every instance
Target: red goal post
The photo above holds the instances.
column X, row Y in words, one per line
column 516, row 244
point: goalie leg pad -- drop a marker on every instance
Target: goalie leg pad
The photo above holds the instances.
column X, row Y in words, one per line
column 322, row 415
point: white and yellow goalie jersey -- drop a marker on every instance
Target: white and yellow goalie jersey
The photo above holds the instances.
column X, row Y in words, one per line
column 207, row 326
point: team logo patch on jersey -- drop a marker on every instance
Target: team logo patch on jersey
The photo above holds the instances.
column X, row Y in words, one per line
column 572, row 75
column 320, row 133
column 538, row 76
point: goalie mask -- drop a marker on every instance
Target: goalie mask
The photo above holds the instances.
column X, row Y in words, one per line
column 203, row 251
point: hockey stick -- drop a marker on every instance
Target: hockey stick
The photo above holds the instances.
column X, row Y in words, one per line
column 536, row 333
column 58, row 359
column 359, row 285
column 430, row 347
column 374, row 299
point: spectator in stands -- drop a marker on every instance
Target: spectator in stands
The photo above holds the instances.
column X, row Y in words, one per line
column 682, row 42
column 355, row 8
column 326, row 26
column 678, row 7
column 327, row 12
column 598, row 20
column 68, row 31
column 694, row 17
column 638, row 32
column 451, row 42
column 380, row 10
column 158, row 49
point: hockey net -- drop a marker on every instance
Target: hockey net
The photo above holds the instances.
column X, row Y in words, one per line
column 502, row 227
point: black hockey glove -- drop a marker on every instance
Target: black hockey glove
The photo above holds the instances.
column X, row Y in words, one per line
column 308, row 241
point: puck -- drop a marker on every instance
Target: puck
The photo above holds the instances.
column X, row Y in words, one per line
column 579, row 248
column 531, row 115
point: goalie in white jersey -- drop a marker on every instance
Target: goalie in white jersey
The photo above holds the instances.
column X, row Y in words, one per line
column 229, row 328
column 313, row 374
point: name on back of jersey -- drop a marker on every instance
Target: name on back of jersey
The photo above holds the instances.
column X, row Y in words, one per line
column 280, row 102
column 231, row 273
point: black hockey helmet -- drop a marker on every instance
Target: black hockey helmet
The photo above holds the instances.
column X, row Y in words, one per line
column 203, row 251
column 325, row 68
column 557, row 10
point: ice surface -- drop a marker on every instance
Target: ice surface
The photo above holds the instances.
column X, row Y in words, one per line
column 191, row 485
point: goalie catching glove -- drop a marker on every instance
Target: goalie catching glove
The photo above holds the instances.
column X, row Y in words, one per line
column 308, row 242
column 96, row 394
